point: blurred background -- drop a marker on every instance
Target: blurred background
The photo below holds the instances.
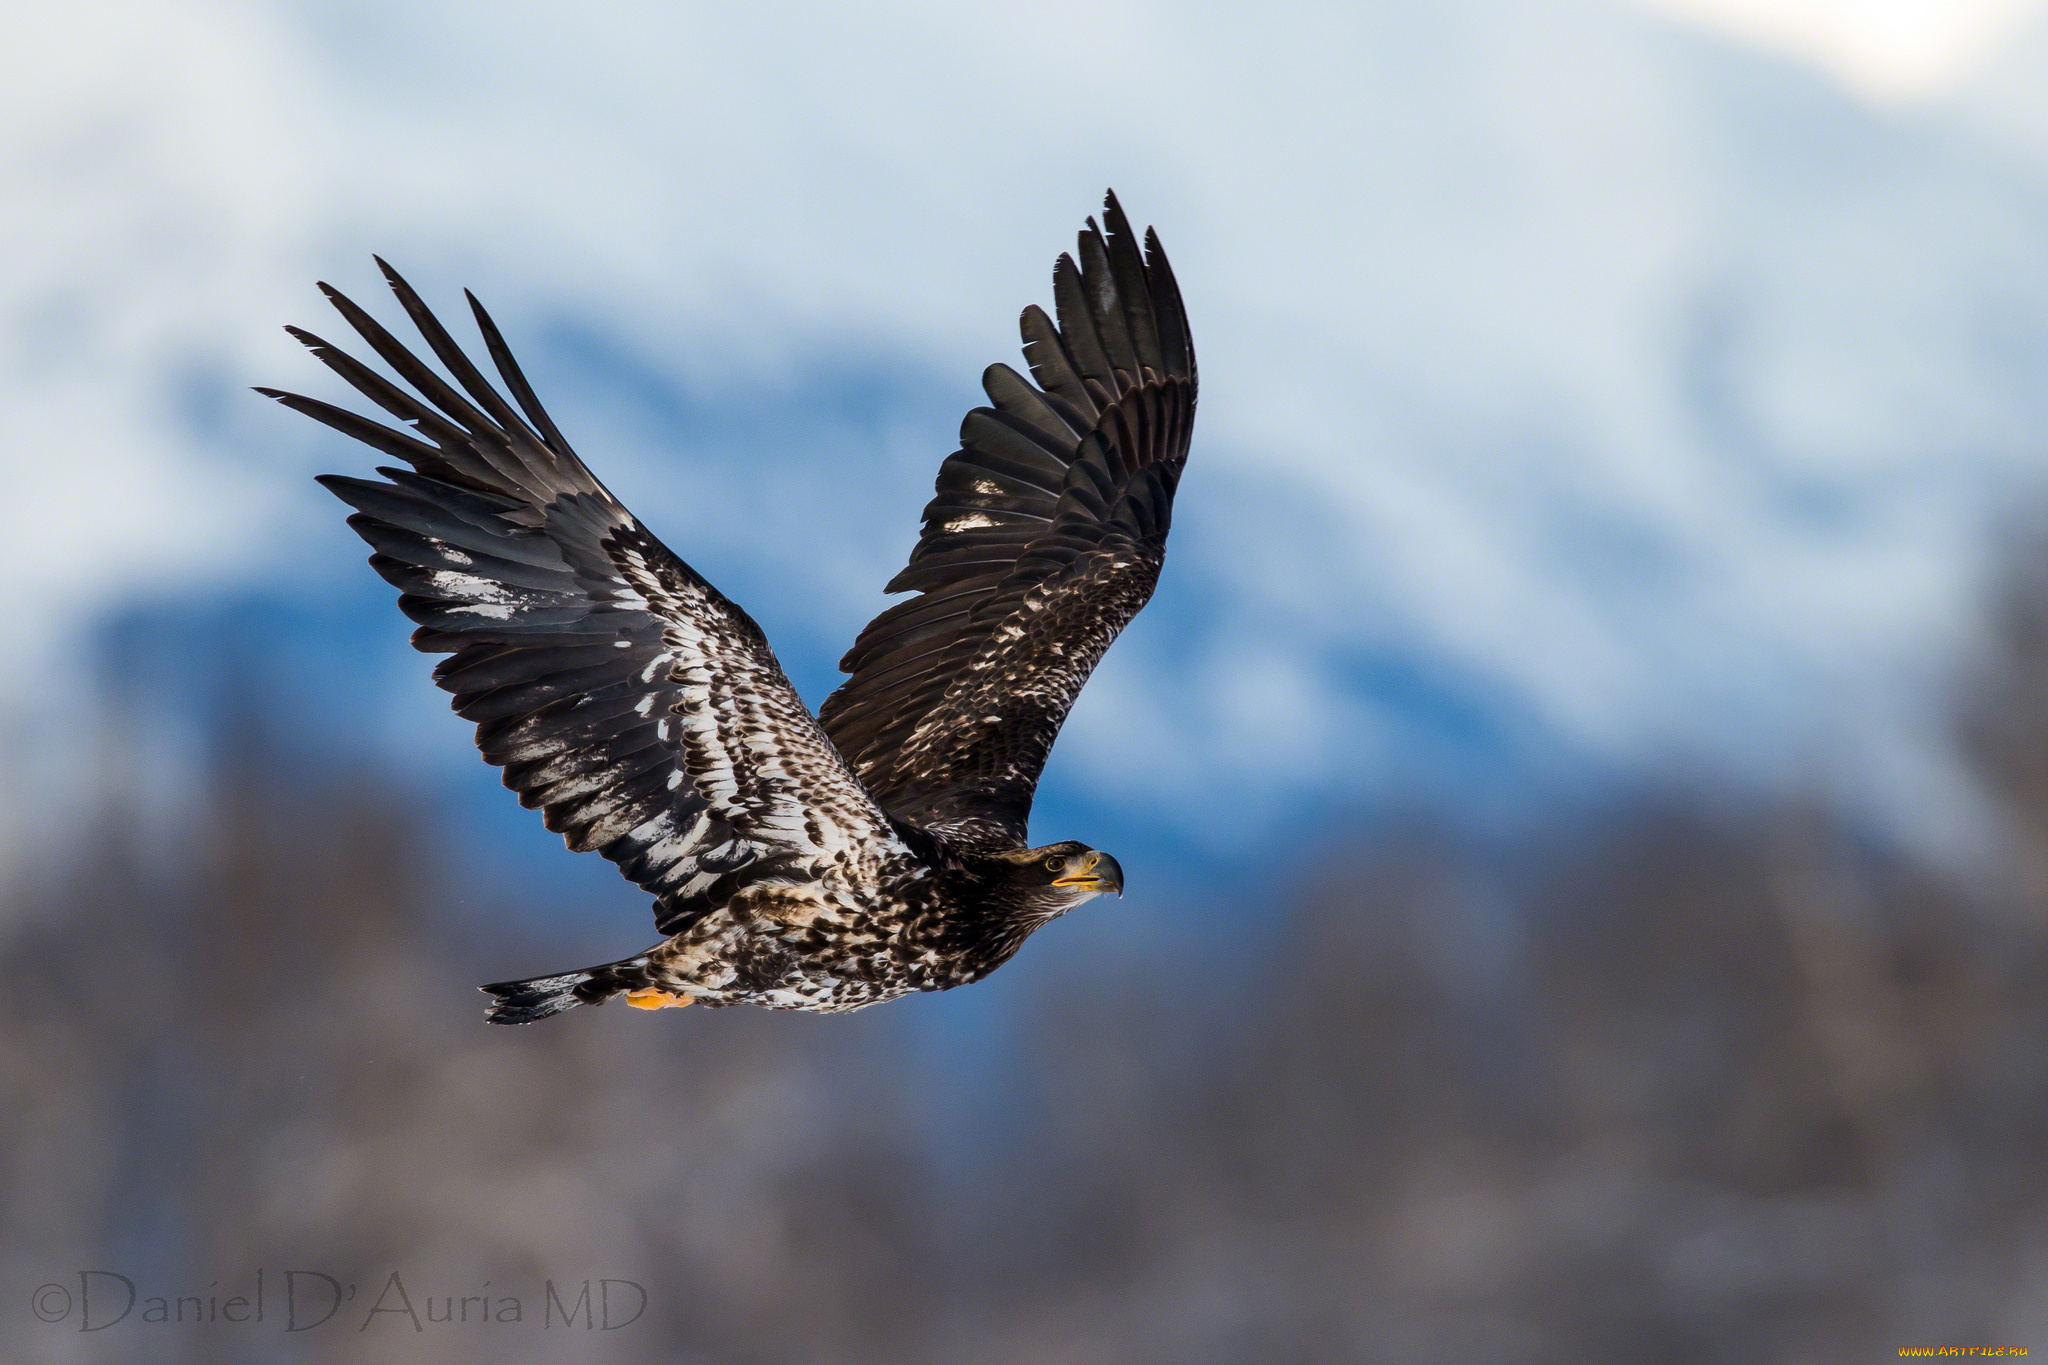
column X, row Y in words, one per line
column 1583, row 780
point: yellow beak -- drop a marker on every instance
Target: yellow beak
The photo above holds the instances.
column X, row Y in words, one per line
column 1101, row 874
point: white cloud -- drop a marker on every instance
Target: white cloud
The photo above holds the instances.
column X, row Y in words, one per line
column 1891, row 50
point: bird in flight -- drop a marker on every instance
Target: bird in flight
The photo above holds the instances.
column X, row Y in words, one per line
column 815, row 863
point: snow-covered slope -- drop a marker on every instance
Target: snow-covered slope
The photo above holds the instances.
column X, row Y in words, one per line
column 1581, row 397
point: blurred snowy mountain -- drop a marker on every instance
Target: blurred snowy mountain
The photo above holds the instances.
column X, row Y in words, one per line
column 1584, row 399
column 2008, row 98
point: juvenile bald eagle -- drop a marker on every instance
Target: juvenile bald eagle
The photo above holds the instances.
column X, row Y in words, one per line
column 807, row 863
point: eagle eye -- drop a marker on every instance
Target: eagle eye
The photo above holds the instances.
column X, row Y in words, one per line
column 1055, row 864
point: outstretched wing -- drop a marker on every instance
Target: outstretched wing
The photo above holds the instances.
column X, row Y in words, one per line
column 622, row 694
column 1044, row 540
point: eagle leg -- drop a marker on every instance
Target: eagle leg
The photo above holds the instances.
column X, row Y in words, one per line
column 655, row 998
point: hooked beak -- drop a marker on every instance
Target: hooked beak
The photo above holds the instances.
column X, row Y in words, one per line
column 1100, row 874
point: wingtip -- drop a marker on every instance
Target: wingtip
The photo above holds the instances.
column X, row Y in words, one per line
column 335, row 483
column 394, row 279
column 1118, row 223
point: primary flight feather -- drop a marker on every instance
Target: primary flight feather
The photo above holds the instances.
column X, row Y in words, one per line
column 796, row 862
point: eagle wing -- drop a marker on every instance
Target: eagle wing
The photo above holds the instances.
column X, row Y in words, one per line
column 1044, row 539
column 623, row 695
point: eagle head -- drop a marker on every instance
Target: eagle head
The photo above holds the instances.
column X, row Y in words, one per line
column 1058, row 877
column 1024, row 889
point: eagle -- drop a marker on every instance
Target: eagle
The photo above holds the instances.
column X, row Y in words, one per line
column 823, row 862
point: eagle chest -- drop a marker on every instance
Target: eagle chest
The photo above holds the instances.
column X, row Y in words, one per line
column 784, row 937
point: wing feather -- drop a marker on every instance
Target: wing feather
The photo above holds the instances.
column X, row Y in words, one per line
column 1044, row 537
column 642, row 712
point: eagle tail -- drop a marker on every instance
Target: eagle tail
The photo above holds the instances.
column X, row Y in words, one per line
column 537, row 998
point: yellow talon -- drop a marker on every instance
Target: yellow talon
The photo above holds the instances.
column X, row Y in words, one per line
column 654, row 998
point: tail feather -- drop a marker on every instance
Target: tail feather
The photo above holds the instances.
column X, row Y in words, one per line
column 538, row 998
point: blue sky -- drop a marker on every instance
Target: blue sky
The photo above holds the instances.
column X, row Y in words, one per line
column 1585, row 396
